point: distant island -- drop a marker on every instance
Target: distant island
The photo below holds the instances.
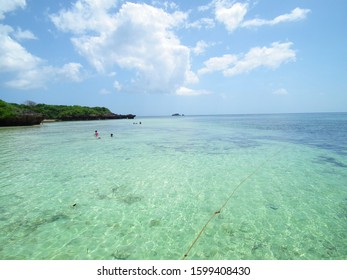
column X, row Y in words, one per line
column 30, row 113
column 177, row 115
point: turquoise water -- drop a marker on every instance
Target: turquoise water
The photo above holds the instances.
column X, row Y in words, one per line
column 147, row 192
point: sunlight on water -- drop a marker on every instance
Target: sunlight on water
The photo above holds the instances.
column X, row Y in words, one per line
column 146, row 192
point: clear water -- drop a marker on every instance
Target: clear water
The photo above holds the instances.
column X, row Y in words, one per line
column 147, row 192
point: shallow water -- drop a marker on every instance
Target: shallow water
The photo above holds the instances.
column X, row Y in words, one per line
column 148, row 191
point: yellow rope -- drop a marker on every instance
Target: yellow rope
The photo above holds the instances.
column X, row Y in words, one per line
column 226, row 202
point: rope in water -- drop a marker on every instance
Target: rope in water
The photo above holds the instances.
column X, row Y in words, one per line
column 226, row 202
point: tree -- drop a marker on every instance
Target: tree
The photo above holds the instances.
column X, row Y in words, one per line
column 30, row 103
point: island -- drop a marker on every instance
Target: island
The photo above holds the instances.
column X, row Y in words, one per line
column 177, row 115
column 30, row 113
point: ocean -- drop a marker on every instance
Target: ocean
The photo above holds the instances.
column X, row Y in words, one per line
column 232, row 187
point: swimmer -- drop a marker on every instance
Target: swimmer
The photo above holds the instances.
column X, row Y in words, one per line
column 96, row 133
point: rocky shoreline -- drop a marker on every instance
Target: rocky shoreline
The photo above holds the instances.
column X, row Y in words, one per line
column 97, row 117
column 36, row 119
column 22, row 120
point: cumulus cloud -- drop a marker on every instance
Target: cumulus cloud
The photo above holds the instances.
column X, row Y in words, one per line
column 167, row 5
column 200, row 47
column 139, row 37
column 13, row 56
column 86, row 15
column 295, row 15
column 9, row 6
column 117, row 85
column 71, row 71
column 230, row 14
column 104, row 91
column 29, row 70
column 271, row 57
column 184, row 91
column 40, row 76
column 218, row 64
column 24, row 35
column 202, row 23
column 29, row 79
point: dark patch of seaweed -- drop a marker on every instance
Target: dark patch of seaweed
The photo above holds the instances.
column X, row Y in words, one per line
column 26, row 227
column 273, row 206
column 117, row 194
column 154, row 223
column 130, row 199
column 117, row 255
column 331, row 160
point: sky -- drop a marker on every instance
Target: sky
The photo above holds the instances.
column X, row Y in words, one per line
column 196, row 57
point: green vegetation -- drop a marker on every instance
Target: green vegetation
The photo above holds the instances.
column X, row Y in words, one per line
column 7, row 110
column 62, row 112
column 14, row 114
column 11, row 111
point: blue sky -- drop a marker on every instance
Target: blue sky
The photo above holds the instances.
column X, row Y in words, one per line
column 162, row 57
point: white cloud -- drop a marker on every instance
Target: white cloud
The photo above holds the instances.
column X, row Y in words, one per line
column 206, row 7
column 184, row 91
column 24, row 35
column 41, row 75
column 280, row 91
column 28, row 79
column 191, row 78
column 200, row 47
column 139, row 37
column 166, row 5
column 30, row 71
column 230, row 14
column 104, row 91
column 86, row 15
column 207, row 23
column 117, row 85
column 218, row 64
column 271, row 57
column 70, row 71
column 9, row 6
column 13, row 56
column 295, row 15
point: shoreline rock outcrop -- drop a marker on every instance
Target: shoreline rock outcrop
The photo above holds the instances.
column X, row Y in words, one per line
column 97, row 117
column 22, row 120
